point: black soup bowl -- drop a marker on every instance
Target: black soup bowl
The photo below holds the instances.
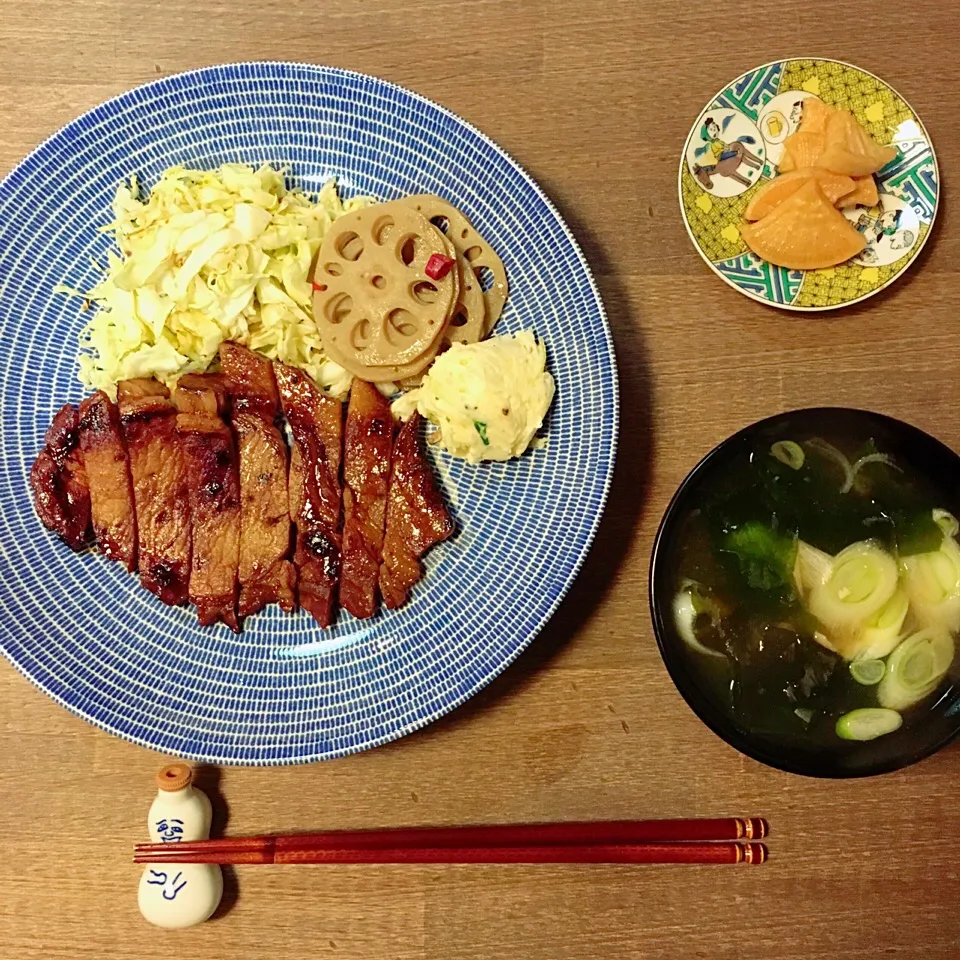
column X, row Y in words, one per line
column 754, row 666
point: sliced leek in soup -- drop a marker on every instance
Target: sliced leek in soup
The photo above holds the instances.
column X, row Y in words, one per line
column 817, row 590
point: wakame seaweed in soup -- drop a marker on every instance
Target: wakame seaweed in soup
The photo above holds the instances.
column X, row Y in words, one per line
column 818, row 588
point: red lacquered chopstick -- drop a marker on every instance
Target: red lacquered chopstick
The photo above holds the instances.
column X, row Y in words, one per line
column 268, row 852
column 605, row 833
column 597, row 833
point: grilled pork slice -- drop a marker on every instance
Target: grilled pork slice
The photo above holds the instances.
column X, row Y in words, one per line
column 203, row 393
column 214, row 489
column 59, row 482
column 266, row 575
column 416, row 516
column 159, row 474
column 316, row 422
column 105, row 462
column 367, row 444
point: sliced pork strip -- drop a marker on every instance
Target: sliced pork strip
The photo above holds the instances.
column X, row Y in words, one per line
column 417, row 518
column 213, row 484
column 265, row 572
column 159, row 474
column 368, row 442
column 105, row 462
column 316, row 422
column 58, row 479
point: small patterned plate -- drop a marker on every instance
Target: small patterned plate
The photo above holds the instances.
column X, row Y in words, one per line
column 286, row 691
column 733, row 150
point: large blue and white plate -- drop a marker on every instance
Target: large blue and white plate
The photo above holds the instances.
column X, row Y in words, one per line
column 286, row 691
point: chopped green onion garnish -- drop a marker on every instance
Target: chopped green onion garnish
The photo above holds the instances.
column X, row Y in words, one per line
column 868, row 672
column 788, row 452
column 481, row 428
column 915, row 668
column 868, row 723
column 947, row 522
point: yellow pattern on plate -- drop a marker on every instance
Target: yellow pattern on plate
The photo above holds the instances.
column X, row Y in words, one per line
column 872, row 102
column 730, row 233
column 708, row 224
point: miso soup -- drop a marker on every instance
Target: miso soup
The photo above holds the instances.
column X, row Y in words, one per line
column 815, row 587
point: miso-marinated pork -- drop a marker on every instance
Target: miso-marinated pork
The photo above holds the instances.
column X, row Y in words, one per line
column 266, row 575
column 316, row 422
column 59, row 482
column 368, row 441
column 105, row 463
column 416, row 516
column 203, row 393
column 159, row 475
column 213, row 484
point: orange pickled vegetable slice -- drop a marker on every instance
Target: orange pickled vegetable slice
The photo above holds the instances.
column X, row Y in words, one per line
column 815, row 116
column 802, row 150
column 833, row 185
column 804, row 232
column 863, row 194
column 850, row 149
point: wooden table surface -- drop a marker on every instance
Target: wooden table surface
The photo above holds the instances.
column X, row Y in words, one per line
column 594, row 98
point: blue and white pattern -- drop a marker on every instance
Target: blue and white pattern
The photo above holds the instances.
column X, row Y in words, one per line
column 286, row 691
column 750, row 92
column 749, row 272
column 913, row 177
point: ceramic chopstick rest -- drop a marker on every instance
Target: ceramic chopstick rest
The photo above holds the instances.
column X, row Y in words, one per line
column 183, row 894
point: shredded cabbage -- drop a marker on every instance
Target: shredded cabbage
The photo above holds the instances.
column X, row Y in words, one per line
column 209, row 255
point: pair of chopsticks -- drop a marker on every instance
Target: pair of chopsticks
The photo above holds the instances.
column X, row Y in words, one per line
column 703, row 841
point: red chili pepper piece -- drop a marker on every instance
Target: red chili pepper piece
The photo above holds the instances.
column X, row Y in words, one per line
column 319, row 286
column 438, row 266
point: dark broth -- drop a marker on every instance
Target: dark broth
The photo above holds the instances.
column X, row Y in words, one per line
column 735, row 542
